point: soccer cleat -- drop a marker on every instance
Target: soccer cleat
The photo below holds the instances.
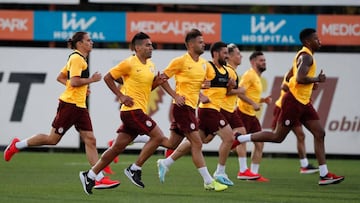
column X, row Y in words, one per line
column 86, row 182
column 330, row 178
column 309, row 169
column 168, row 152
column 215, row 186
column 134, row 176
column 223, row 179
column 236, row 142
column 11, row 149
column 247, row 175
column 162, row 170
column 108, row 170
column 106, row 183
column 116, row 159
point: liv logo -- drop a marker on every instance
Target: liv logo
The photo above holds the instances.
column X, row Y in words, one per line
column 264, row 27
column 76, row 24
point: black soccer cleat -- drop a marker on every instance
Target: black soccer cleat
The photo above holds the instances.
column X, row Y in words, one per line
column 134, row 176
column 86, row 182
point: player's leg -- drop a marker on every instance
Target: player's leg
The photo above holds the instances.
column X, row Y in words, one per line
column 305, row 166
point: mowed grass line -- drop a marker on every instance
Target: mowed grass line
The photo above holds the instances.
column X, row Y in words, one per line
column 53, row 177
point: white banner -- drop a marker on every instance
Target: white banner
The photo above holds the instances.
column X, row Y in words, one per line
column 336, row 100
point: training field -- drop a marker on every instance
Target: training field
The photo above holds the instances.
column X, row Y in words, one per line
column 53, row 177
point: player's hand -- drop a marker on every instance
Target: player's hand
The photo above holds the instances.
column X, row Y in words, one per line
column 179, row 100
column 206, row 84
column 126, row 100
column 96, row 77
column 321, row 76
column 159, row 79
column 256, row 106
column 268, row 99
column 231, row 83
column 204, row 99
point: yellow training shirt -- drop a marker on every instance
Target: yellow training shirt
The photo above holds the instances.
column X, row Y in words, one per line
column 138, row 79
column 216, row 95
column 251, row 81
column 189, row 76
column 76, row 66
column 302, row 92
column 229, row 102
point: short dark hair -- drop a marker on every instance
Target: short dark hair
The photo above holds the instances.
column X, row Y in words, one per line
column 194, row 33
column 216, row 47
column 305, row 34
column 137, row 38
column 77, row 36
column 231, row 47
column 255, row 54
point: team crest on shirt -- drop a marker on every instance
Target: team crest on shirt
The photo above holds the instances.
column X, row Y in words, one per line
column 152, row 69
column 204, row 66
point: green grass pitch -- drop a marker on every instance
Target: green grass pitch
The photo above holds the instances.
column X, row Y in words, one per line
column 53, row 177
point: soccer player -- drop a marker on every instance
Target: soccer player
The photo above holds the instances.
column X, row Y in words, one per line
column 251, row 83
column 189, row 71
column 211, row 121
column 138, row 73
column 231, row 115
column 72, row 109
column 305, row 166
column 297, row 107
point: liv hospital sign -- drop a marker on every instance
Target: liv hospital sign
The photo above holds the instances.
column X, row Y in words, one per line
column 265, row 29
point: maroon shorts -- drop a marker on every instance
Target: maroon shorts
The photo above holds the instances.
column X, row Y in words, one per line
column 68, row 115
column 135, row 122
column 293, row 113
column 211, row 120
column 185, row 120
column 251, row 123
column 232, row 118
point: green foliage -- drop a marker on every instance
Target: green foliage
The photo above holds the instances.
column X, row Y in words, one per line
column 53, row 177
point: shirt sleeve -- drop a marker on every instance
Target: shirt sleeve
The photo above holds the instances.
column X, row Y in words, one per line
column 174, row 66
column 121, row 69
column 76, row 65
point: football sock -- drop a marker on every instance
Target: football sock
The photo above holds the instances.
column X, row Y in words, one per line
column 242, row 164
column 99, row 176
column 91, row 174
column 255, row 168
column 22, row 144
column 168, row 161
column 205, row 174
column 304, row 162
column 220, row 169
column 323, row 170
column 141, row 139
column 244, row 138
column 135, row 167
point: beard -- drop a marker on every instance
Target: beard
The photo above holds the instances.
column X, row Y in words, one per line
column 262, row 69
column 222, row 62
